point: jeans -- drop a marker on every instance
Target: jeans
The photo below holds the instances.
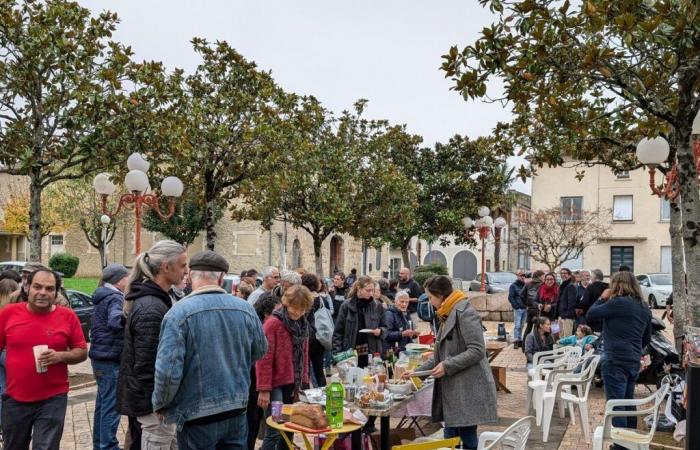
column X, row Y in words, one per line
column 467, row 434
column 106, row 421
column 273, row 440
column 157, row 435
column 519, row 316
column 618, row 380
column 227, row 434
column 43, row 420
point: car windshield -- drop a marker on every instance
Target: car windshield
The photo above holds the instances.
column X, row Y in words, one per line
column 502, row 277
column 661, row 279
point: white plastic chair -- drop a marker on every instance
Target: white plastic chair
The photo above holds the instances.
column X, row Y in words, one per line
column 632, row 439
column 561, row 390
column 543, row 363
column 513, row 438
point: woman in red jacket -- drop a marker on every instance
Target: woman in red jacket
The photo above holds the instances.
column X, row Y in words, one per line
column 285, row 367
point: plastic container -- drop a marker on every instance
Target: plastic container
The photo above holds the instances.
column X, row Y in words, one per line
column 335, row 395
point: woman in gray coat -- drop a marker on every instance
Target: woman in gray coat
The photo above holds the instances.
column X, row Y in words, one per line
column 464, row 394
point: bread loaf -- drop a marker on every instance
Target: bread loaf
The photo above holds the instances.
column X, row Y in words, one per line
column 310, row 416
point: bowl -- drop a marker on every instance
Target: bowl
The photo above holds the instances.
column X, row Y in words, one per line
column 401, row 389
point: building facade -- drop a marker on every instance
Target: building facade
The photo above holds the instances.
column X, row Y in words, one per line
column 639, row 225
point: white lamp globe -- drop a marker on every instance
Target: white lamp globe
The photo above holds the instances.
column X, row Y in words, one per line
column 105, row 220
column 136, row 161
column 484, row 211
column 487, row 221
column 171, row 187
column 500, row 222
column 652, row 151
column 103, row 185
column 136, row 181
column 696, row 124
column 467, row 222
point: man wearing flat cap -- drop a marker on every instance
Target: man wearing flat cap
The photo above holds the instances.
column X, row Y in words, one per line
column 208, row 339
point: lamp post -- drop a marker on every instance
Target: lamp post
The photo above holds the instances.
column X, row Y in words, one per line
column 653, row 152
column 483, row 225
column 136, row 181
column 105, row 220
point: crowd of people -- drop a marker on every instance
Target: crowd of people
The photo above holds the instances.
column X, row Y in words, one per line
column 193, row 367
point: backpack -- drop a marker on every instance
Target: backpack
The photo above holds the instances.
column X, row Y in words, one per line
column 324, row 325
column 424, row 309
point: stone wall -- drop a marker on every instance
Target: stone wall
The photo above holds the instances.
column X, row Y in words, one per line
column 493, row 307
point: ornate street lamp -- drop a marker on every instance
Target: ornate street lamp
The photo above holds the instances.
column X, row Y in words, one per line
column 483, row 225
column 136, row 181
column 104, row 220
column 653, row 152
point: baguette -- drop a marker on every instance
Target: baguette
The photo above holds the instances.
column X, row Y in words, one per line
column 310, row 416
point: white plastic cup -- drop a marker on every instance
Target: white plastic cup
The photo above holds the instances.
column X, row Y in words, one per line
column 38, row 350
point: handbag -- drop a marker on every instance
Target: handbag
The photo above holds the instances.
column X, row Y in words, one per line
column 324, row 325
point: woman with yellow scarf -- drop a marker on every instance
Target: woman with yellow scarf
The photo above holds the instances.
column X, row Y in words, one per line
column 464, row 394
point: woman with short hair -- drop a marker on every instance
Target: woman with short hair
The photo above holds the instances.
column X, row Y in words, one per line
column 399, row 330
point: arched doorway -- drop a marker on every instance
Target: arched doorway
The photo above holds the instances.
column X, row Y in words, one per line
column 413, row 259
column 464, row 265
column 296, row 254
column 435, row 257
column 336, row 255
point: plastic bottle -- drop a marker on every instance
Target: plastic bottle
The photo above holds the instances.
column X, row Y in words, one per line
column 335, row 394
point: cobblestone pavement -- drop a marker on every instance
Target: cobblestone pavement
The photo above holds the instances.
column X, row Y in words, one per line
column 563, row 436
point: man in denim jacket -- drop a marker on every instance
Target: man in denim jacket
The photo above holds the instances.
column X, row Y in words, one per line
column 208, row 343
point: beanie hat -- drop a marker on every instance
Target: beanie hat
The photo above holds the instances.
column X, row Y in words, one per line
column 113, row 273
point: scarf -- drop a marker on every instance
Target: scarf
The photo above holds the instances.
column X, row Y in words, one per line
column 299, row 331
column 449, row 303
column 549, row 295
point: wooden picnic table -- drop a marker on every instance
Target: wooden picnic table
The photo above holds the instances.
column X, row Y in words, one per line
column 493, row 349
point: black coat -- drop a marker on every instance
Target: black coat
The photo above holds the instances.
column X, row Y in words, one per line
column 569, row 301
column 346, row 326
column 141, row 335
column 529, row 295
column 396, row 323
column 592, row 294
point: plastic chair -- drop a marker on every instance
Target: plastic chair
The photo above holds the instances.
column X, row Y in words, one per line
column 632, row 439
column 561, row 391
column 543, row 363
column 450, row 443
column 513, row 438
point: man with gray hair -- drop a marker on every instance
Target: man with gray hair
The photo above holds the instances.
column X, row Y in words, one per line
column 209, row 338
column 592, row 293
column 289, row 278
column 271, row 278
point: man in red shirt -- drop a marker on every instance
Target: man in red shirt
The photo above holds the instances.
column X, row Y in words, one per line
column 35, row 405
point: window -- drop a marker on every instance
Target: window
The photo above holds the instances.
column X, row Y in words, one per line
column 622, row 208
column 665, row 209
column 665, row 259
column 621, row 256
column 56, row 239
column 394, row 267
column 524, row 257
column 378, row 258
column 622, row 174
column 488, row 265
column 571, row 208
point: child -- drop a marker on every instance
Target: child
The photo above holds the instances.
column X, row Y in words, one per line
column 584, row 338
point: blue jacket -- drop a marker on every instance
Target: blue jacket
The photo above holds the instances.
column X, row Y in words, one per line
column 626, row 328
column 514, row 295
column 107, row 332
column 396, row 323
column 208, row 343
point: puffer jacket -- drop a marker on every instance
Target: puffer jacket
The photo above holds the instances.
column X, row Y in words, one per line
column 396, row 323
column 346, row 326
column 141, row 335
column 107, row 332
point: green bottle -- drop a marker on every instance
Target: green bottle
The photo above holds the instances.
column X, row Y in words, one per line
column 335, row 394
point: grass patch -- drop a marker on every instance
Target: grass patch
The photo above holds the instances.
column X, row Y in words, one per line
column 87, row 285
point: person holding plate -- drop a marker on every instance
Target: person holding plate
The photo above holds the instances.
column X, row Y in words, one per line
column 464, row 395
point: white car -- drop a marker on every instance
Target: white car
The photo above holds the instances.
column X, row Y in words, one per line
column 12, row 265
column 656, row 287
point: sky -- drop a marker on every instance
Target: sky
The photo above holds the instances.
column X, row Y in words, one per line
column 388, row 52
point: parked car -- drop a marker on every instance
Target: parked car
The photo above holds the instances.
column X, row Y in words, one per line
column 83, row 307
column 656, row 287
column 12, row 265
column 495, row 282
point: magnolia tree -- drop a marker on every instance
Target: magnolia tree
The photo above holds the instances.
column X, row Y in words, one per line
column 553, row 240
column 588, row 81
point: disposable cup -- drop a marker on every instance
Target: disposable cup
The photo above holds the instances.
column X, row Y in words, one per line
column 38, row 350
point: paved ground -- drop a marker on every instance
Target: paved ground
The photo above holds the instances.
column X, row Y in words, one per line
column 511, row 407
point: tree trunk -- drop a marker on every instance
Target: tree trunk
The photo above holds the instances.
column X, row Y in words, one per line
column 404, row 255
column 678, row 275
column 497, row 249
column 318, row 243
column 210, row 223
column 35, row 189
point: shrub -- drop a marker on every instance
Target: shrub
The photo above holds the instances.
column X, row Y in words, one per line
column 434, row 268
column 421, row 277
column 65, row 263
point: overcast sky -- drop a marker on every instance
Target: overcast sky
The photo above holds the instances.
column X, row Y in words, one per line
column 339, row 51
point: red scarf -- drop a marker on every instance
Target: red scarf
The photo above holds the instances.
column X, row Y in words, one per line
column 549, row 295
